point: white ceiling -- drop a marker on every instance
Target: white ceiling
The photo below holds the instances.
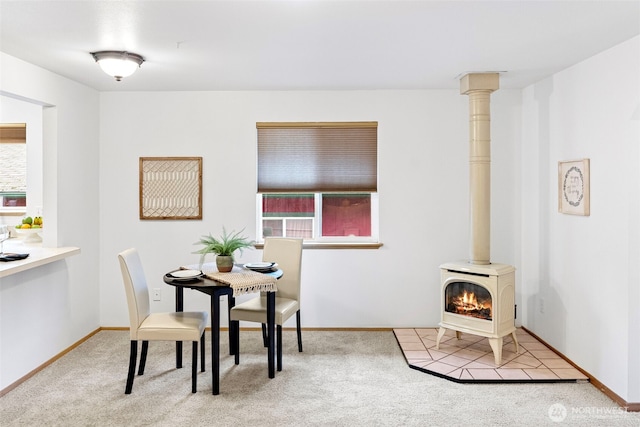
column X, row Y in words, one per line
column 311, row 44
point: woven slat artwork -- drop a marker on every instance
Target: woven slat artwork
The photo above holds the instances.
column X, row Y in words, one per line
column 170, row 188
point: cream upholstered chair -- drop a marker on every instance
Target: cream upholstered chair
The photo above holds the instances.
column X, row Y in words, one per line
column 147, row 326
column 287, row 252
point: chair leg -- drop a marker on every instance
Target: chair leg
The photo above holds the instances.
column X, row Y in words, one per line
column 264, row 335
column 194, row 367
column 202, row 353
column 279, row 347
column 234, row 328
column 143, row 357
column 133, row 355
column 231, row 302
column 299, row 329
column 236, row 341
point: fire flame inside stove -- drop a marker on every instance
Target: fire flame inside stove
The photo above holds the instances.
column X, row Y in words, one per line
column 469, row 301
column 468, row 304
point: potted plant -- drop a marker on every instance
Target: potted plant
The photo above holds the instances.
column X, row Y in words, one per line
column 224, row 248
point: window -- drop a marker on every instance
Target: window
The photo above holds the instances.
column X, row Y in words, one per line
column 288, row 215
column 318, row 181
column 13, row 157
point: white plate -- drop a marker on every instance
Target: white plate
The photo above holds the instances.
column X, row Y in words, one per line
column 259, row 265
column 186, row 274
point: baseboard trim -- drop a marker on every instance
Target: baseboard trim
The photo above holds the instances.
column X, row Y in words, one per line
column 19, row 381
column 629, row 406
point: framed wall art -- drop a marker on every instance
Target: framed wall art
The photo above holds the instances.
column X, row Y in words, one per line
column 170, row 187
column 573, row 187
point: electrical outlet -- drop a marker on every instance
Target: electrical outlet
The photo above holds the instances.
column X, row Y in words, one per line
column 157, row 294
column 541, row 306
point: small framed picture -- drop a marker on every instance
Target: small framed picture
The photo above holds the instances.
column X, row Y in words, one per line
column 573, row 187
column 171, row 188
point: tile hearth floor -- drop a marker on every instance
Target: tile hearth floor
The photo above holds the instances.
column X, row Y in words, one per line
column 470, row 358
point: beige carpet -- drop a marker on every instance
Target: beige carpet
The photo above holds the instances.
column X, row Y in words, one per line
column 341, row 379
column 471, row 360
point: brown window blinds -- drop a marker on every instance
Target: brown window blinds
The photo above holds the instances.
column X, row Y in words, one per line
column 13, row 132
column 317, row 157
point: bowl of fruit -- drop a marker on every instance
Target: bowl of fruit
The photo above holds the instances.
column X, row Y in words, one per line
column 30, row 228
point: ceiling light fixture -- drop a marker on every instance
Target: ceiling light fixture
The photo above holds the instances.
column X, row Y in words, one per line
column 118, row 64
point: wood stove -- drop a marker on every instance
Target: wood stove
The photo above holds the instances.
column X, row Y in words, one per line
column 478, row 297
column 479, row 300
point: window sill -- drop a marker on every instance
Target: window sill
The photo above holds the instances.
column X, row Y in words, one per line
column 13, row 212
column 328, row 245
column 37, row 256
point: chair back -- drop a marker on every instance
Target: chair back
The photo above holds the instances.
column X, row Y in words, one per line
column 287, row 252
column 135, row 286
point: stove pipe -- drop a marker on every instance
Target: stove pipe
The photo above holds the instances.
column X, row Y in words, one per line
column 478, row 86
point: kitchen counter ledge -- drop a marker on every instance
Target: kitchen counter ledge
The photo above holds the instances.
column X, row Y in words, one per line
column 37, row 256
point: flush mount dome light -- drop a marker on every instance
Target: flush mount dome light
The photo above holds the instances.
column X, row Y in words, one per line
column 118, row 64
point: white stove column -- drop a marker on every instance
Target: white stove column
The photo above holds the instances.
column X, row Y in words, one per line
column 479, row 87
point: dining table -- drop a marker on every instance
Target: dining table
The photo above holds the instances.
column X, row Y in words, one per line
column 240, row 280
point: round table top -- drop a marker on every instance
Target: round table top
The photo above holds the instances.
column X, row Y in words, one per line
column 200, row 279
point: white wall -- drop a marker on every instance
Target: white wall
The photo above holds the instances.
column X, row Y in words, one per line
column 581, row 287
column 423, row 188
column 45, row 310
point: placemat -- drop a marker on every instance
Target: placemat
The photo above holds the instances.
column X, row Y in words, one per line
column 241, row 280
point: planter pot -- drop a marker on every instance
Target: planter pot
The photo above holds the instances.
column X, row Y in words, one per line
column 224, row 263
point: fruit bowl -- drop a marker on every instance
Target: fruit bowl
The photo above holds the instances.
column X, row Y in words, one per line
column 29, row 234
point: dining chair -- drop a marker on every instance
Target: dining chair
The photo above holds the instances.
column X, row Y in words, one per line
column 287, row 253
column 146, row 326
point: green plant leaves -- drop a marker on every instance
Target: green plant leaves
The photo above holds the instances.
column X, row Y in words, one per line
column 225, row 245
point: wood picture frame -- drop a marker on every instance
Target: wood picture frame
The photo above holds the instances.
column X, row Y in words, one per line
column 170, row 188
column 573, row 187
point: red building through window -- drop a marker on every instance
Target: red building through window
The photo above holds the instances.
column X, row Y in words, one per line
column 293, row 215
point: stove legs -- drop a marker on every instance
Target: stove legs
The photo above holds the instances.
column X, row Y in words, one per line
column 515, row 342
column 441, row 332
column 495, row 343
column 496, row 346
